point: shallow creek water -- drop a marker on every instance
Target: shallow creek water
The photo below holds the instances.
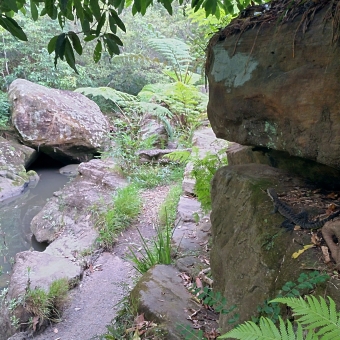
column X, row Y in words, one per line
column 17, row 213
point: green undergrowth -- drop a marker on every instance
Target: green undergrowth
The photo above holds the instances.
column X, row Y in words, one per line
column 126, row 205
column 40, row 305
column 155, row 251
column 150, row 176
column 168, row 209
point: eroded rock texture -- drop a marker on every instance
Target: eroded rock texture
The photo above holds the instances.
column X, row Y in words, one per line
column 14, row 157
column 251, row 257
column 265, row 92
column 63, row 124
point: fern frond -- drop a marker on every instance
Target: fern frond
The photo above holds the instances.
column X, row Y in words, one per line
column 266, row 330
column 180, row 156
column 315, row 313
column 175, row 51
column 118, row 97
column 133, row 58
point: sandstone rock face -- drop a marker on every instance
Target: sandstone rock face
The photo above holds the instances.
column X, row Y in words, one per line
column 251, row 258
column 264, row 93
column 14, row 158
column 65, row 125
column 151, row 127
column 159, row 292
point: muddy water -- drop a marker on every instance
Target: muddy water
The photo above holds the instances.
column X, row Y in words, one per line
column 16, row 215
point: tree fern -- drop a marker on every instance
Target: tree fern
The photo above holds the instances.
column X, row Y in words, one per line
column 118, row 97
column 133, row 58
column 177, row 57
column 315, row 313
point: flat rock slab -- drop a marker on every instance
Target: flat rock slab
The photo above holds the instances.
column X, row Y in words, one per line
column 105, row 287
column 43, row 270
column 164, row 299
column 68, row 213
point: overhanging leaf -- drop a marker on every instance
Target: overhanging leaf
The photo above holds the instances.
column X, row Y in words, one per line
column 69, row 55
column 34, row 10
column 97, row 53
column 75, row 42
column 12, row 27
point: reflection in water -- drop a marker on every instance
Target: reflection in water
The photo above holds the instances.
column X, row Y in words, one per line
column 16, row 215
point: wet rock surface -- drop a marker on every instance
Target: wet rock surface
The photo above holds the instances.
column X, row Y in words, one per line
column 14, row 158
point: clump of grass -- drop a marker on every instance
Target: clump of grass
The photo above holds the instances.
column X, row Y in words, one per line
column 150, row 176
column 158, row 251
column 168, row 209
column 126, row 207
column 44, row 305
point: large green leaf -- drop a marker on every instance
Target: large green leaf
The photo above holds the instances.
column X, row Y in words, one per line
column 69, row 55
column 12, row 27
column 34, row 10
column 97, row 53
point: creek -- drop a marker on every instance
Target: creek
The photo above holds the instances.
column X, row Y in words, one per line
column 17, row 213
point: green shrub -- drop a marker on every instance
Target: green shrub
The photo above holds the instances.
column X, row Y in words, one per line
column 168, row 209
column 4, row 109
column 203, row 172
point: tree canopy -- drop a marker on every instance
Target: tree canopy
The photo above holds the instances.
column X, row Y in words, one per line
column 99, row 20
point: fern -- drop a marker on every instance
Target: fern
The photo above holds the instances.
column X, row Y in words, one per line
column 119, row 98
column 203, row 172
column 267, row 330
column 180, row 156
column 177, row 56
column 315, row 313
column 311, row 314
column 133, row 58
column 291, row 289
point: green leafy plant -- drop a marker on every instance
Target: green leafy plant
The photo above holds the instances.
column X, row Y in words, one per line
column 158, row 251
column 126, row 207
column 177, row 58
column 188, row 333
column 4, row 109
column 306, row 282
column 46, row 305
column 203, row 172
column 216, row 300
column 315, row 319
column 168, row 209
column 186, row 102
column 150, row 176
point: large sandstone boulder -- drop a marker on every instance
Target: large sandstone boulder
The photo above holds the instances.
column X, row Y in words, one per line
column 274, row 86
column 14, row 157
column 251, row 258
column 65, row 125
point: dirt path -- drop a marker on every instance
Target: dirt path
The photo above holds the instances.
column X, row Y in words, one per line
column 93, row 303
